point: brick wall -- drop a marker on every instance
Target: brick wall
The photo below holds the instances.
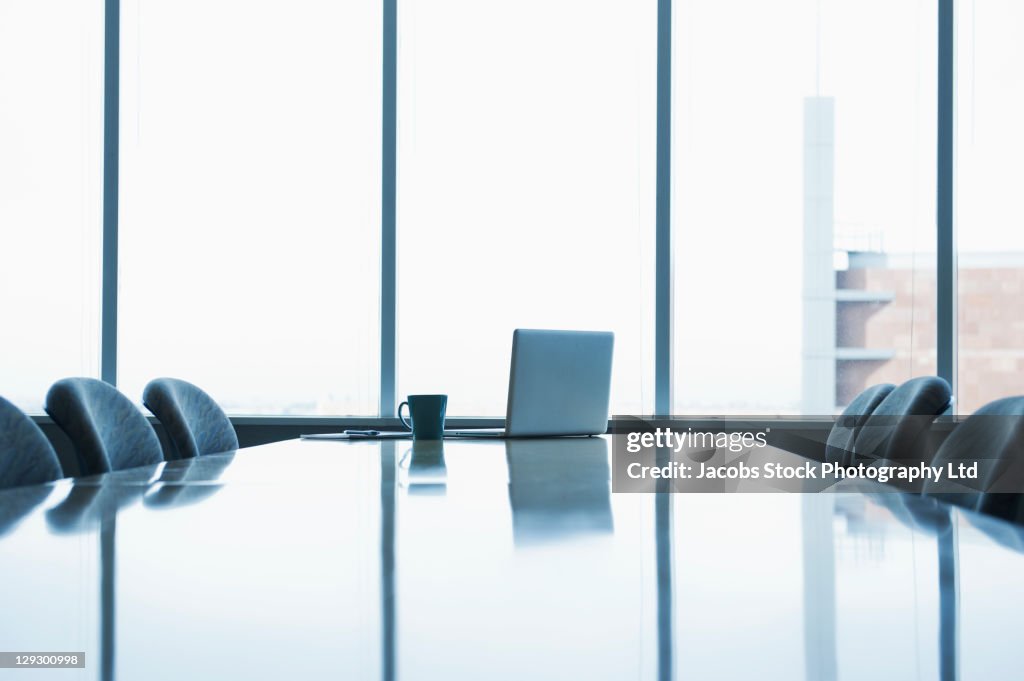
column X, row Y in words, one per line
column 991, row 335
column 991, row 331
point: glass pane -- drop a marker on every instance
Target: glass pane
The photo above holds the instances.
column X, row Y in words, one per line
column 51, row 194
column 990, row 221
column 804, row 201
column 250, row 202
column 526, row 189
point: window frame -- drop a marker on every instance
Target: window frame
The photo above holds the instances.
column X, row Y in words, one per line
column 946, row 297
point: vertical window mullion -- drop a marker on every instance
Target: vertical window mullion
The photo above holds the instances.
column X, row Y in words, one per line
column 946, row 293
column 663, row 224
column 111, row 104
column 388, row 272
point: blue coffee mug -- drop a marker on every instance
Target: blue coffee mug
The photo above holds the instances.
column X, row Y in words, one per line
column 426, row 416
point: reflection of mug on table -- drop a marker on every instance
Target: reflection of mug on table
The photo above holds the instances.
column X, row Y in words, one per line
column 426, row 469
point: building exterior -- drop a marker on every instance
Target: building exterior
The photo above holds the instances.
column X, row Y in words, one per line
column 869, row 316
column 885, row 324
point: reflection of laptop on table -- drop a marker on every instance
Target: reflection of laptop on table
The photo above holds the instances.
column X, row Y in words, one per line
column 559, row 384
column 558, row 488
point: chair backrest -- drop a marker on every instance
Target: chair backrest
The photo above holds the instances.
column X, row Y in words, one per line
column 893, row 429
column 994, row 438
column 109, row 433
column 26, row 456
column 195, row 423
column 839, row 446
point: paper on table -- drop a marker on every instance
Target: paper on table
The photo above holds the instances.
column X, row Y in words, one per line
column 368, row 435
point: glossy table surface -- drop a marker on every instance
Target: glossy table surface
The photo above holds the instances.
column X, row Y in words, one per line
column 493, row 560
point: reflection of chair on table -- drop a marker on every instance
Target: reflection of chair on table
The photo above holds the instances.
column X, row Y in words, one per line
column 18, row 503
column 187, row 482
column 89, row 506
column 92, row 505
column 1003, row 533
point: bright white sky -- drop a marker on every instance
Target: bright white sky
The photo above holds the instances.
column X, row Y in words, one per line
column 250, row 186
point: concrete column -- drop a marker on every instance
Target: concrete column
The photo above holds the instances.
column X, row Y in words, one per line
column 819, row 279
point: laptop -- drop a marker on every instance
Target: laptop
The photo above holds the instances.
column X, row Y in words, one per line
column 559, row 384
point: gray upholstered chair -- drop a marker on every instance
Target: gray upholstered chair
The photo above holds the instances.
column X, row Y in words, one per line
column 894, row 430
column 26, row 456
column 839, row 446
column 108, row 431
column 994, row 438
column 195, row 424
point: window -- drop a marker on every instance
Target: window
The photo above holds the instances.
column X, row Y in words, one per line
column 249, row 210
column 51, row 194
column 990, row 236
column 803, row 202
column 250, row 202
column 525, row 189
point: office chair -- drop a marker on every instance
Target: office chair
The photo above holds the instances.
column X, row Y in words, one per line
column 195, row 424
column 26, row 456
column 839, row 446
column 893, row 430
column 108, row 432
column 994, row 438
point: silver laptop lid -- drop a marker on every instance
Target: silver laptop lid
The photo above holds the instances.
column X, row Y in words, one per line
column 559, row 383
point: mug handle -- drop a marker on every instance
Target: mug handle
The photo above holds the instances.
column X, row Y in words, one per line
column 407, row 424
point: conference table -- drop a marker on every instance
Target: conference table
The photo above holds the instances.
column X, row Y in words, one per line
column 481, row 559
